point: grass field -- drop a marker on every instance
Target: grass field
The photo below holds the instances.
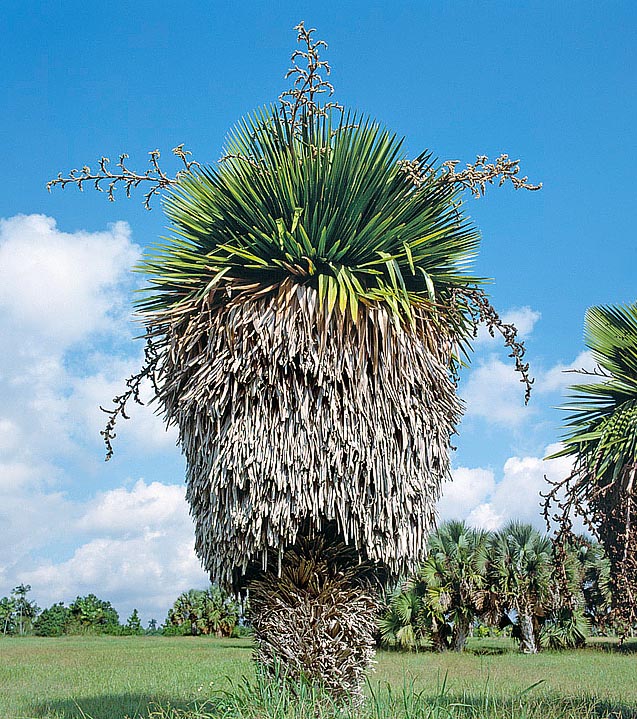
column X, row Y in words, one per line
column 116, row 677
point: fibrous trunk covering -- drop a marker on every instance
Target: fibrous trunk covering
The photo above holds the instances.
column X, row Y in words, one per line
column 316, row 621
column 292, row 419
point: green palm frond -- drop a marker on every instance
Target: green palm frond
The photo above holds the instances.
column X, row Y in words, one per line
column 602, row 426
column 331, row 209
column 521, row 563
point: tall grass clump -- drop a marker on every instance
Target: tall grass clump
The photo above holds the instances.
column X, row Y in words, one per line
column 262, row 698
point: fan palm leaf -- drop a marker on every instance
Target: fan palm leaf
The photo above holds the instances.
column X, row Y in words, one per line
column 521, row 573
column 602, row 437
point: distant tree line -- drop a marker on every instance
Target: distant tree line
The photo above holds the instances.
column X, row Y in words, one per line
column 195, row 612
column 500, row 582
column 472, row 582
column 205, row 612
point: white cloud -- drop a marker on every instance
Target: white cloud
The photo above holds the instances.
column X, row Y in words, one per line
column 484, row 516
column 469, row 488
column 493, row 391
column 133, row 547
column 56, row 287
column 87, row 394
column 146, row 508
column 63, row 298
column 561, row 376
column 485, row 502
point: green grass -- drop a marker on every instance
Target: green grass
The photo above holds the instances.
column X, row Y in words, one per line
column 115, row 677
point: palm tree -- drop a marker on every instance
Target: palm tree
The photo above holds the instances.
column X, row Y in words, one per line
column 455, row 576
column 305, row 321
column 564, row 621
column 522, row 571
column 595, row 584
column 220, row 612
column 188, row 609
column 404, row 624
column 602, row 438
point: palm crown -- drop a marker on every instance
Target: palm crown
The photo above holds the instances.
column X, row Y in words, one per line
column 331, row 207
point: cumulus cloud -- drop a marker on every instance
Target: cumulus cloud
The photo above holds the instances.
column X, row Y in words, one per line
column 492, row 389
column 59, row 287
column 561, row 376
column 145, row 508
column 58, row 290
column 134, row 548
column 468, row 489
column 488, row 501
column 145, row 429
column 64, row 297
column 494, row 392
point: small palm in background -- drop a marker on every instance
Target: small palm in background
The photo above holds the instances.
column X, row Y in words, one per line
column 447, row 594
column 455, row 575
column 521, row 570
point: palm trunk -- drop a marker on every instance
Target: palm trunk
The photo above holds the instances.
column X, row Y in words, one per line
column 460, row 633
column 528, row 645
column 315, row 620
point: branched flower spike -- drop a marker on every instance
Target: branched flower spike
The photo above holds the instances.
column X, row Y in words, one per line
column 154, row 176
column 299, row 103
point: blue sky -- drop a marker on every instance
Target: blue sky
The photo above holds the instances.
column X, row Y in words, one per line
column 549, row 83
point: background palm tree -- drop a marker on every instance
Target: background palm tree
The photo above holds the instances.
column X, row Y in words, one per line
column 209, row 611
column 446, row 594
column 521, row 573
column 602, row 438
column 455, row 576
column 404, row 625
column 187, row 610
column 595, row 583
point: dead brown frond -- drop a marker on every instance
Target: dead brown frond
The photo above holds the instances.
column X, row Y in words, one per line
column 288, row 415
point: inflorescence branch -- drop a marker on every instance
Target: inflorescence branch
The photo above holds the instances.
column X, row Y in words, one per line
column 475, row 302
column 157, row 178
column 606, row 507
column 474, row 178
column 298, row 103
column 133, row 385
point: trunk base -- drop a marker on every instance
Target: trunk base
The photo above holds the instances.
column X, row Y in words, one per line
column 316, row 621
